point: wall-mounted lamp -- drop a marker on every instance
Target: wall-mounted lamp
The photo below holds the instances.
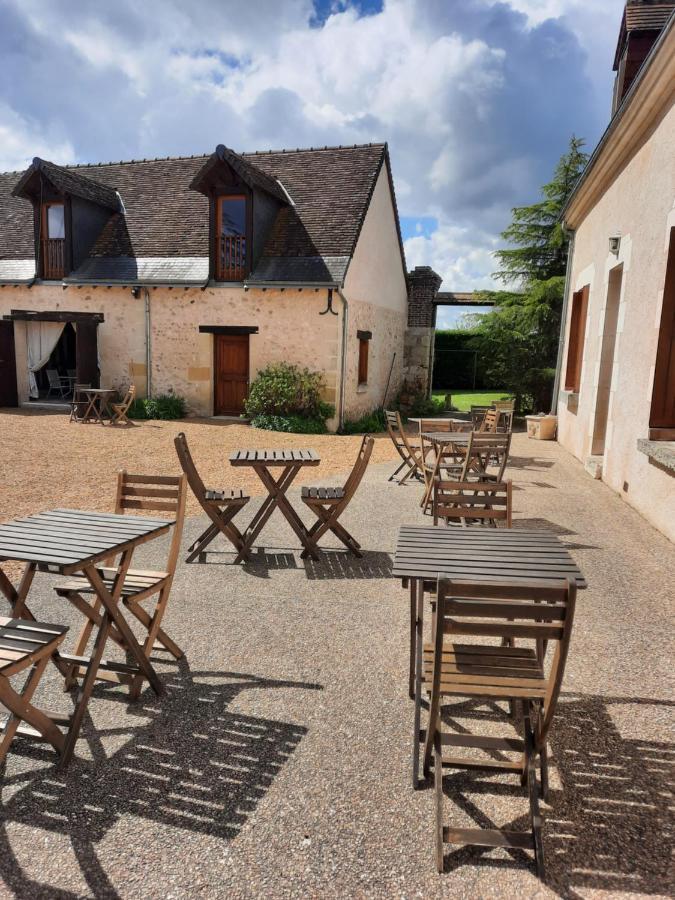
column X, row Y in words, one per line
column 614, row 244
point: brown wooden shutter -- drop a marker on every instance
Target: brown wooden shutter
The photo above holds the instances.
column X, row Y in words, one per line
column 663, row 396
column 363, row 361
column 575, row 348
column 86, row 354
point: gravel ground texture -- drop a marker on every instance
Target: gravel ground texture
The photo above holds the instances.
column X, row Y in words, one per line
column 278, row 763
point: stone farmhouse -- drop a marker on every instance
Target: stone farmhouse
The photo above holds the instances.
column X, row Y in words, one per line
column 616, row 409
column 189, row 275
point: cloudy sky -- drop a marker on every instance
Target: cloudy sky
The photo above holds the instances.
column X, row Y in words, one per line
column 477, row 98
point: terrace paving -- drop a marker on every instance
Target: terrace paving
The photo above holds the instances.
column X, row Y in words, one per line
column 278, row 763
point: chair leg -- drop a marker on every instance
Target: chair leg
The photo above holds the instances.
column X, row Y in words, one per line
column 533, row 792
column 21, row 710
column 394, row 474
column 438, row 786
column 145, row 618
column 81, row 645
column 149, row 643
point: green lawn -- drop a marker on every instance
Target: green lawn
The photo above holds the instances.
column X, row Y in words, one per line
column 464, row 400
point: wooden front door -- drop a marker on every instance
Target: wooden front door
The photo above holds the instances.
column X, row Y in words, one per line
column 8, row 393
column 230, row 374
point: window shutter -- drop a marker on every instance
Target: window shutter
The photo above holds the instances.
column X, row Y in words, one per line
column 663, row 396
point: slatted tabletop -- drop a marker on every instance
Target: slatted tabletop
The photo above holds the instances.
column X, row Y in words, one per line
column 453, row 421
column 274, row 458
column 447, row 437
column 487, row 554
column 67, row 538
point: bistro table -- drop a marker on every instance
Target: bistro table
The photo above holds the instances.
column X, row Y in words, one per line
column 69, row 541
column 481, row 553
column 440, row 441
column 290, row 462
column 98, row 403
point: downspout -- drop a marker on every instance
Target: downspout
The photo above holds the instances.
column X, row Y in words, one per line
column 343, row 358
column 563, row 320
column 148, row 344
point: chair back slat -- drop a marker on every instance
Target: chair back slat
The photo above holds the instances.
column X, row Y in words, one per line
column 359, row 468
column 477, row 415
column 471, row 501
column 490, row 420
column 529, row 610
column 431, row 425
column 189, row 468
column 155, row 493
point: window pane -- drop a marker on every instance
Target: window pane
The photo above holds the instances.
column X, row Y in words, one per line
column 232, row 215
column 55, row 222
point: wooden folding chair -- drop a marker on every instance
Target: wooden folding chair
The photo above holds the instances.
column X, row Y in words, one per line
column 486, row 457
column 328, row 504
column 407, row 449
column 472, row 502
column 220, row 506
column 120, row 410
column 490, row 420
column 499, row 673
column 78, row 403
column 157, row 493
column 26, row 644
column 477, row 415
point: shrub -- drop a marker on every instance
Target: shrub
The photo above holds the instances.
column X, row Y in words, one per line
column 165, row 406
column 291, row 424
column 282, row 389
column 371, row 423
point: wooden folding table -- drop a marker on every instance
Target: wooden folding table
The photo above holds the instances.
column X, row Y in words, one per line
column 66, row 542
column 481, row 553
column 290, row 462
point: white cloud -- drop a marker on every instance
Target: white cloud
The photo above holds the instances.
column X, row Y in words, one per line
column 464, row 257
column 476, row 99
column 21, row 140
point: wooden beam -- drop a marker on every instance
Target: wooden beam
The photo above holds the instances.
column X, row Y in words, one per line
column 35, row 315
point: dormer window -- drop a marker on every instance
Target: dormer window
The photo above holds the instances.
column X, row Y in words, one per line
column 53, row 241
column 231, row 245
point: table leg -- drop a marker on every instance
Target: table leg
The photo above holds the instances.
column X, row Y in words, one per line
column 91, row 402
column 284, row 504
column 110, row 602
column 276, row 488
column 419, row 648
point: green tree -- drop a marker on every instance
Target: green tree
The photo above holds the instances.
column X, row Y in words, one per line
column 518, row 339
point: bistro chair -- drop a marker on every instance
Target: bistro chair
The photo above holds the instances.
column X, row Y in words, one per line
column 486, row 457
column 407, row 449
column 25, row 644
column 473, row 502
column 220, row 506
column 477, row 416
column 490, row 420
column 328, row 503
column 499, row 674
column 56, row 383
column 120, row 410
column 154, row 493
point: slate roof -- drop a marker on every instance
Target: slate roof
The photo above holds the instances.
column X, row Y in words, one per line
column 163, row 228
column 69, row 181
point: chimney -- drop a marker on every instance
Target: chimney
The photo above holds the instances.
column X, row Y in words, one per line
column 642, row 23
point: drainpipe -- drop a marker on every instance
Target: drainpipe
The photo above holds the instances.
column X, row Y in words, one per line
column 343, row 358
column 148, row 344
column 563, row 319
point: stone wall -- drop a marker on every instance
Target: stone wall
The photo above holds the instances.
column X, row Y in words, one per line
column 423, row 285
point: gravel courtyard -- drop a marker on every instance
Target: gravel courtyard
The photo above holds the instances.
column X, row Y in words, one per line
column 278, row 762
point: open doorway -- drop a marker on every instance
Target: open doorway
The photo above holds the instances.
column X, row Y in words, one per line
column 56, row 378
column 606, row 361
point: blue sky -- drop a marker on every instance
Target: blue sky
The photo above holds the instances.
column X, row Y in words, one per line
column 477, row 98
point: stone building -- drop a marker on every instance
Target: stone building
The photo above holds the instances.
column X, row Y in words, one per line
column 616, row 409
column 189, row 275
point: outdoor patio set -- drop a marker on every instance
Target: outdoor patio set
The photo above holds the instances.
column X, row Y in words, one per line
column 501, row 598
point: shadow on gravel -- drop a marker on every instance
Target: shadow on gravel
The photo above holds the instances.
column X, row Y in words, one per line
column 529, row 462
column 606, row 827
column 196, row 766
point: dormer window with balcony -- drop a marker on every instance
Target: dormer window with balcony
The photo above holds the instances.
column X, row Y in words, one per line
column 243, row 205
column 231, row 238
column 52, row 241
